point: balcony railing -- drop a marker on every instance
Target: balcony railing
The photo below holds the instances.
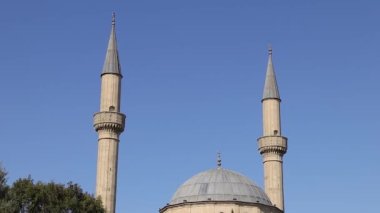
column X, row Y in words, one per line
column 112, row 120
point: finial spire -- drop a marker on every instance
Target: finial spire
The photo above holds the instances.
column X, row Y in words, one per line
column 270, row 87
column 270, row 49
column 113, row 18
column 219, row 160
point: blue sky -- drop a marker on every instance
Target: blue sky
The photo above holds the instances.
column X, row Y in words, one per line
column 193, row 78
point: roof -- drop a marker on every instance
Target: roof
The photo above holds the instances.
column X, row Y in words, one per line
column 111, row 63
column 219, row 185
column 270, row 87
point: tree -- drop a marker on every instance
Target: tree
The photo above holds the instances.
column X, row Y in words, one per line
column 27, row 196
column 3, row 186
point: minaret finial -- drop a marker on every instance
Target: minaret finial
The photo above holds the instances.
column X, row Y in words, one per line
column 219, row 160
column 113, row 18
column 270, row 49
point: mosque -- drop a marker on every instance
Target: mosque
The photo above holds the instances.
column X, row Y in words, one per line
column 217, row 190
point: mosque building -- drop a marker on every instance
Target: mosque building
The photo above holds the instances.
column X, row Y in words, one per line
column 217, row 190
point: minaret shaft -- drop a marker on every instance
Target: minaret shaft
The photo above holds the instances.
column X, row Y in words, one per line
column 106, row 177
column 271, row 117
column 272, row 145
column 109, row 123
column 273, row 179
column 110, row 93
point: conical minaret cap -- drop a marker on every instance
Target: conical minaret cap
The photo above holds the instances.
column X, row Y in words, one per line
column 112, row 64
column 270, row 87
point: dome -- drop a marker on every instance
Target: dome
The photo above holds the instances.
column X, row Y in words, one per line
column 219, row 185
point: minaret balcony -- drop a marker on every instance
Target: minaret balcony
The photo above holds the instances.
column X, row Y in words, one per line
column 113, row 121
column 275, row 143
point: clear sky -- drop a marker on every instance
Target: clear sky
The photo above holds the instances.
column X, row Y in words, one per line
column 193, row 78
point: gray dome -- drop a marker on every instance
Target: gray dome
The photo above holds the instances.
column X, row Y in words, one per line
column 219, row 185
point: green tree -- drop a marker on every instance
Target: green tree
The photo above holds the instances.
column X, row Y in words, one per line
column 3, row 182
column 3, row 186
column 27, row 196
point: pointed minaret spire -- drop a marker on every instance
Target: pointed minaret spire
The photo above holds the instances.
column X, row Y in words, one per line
column 270, row 88
column 112, row 64
column 109, row 123
column 272, row 145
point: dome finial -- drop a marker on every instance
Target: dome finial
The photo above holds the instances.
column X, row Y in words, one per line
column 219, row 160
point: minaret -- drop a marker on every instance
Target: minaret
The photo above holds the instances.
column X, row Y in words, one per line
column 272, row 145
column 109, row 123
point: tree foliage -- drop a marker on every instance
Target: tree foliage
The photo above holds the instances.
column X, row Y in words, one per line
column 27, row 196
column 3, row 183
